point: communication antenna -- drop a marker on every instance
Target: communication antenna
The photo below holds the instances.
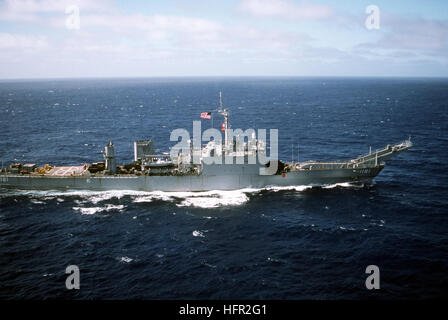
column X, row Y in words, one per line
column 225, row 125
column 292, row 152
column 220, row 101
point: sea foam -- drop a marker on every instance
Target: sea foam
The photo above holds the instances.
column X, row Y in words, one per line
column 202, row 199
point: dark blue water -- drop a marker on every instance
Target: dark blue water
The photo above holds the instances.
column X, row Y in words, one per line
column 274, row 244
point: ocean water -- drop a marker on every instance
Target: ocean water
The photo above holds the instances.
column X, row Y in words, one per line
column 301, row 242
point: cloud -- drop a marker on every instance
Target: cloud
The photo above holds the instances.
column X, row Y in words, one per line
column 20, row 41
column 116, row 42
column 285, row 9
column 409, row 39
column 32, row 10
column 419, row 34
column 184, row 33
column 105, row 29
column 153, row 23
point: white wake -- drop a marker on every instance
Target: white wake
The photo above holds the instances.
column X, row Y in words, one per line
column 91, row 202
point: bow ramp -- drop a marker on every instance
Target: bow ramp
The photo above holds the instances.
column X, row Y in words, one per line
column 383, row 154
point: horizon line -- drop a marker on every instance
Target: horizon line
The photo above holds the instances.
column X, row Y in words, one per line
column 220, row 76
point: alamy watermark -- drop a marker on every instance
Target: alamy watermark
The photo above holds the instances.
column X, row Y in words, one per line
column 373, row 18
column 73, row 21
column 234, row 150
column 373, row 280
column 73, row 280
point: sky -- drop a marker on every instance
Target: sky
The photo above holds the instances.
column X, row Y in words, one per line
column 153, row 38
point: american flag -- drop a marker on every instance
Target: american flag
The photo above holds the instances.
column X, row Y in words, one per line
column 206, row 115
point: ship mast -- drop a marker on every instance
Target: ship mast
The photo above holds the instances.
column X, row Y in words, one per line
column 226, row 124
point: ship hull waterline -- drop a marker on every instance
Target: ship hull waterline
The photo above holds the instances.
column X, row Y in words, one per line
column 188, row 182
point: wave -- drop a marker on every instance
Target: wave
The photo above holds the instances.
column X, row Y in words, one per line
column 202, row 199
column 94, row 195
column 93, row 210
column 197, row 233
column 214, row 199
column 155, row 195
column 125, row 259
column 343, row 185
column 288, row 188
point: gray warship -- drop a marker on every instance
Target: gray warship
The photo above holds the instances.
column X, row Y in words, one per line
column 176, row 171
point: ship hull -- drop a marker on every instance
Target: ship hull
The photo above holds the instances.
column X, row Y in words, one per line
column 202, row 182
